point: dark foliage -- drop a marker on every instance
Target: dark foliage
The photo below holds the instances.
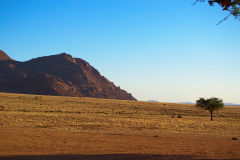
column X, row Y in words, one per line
column 232, row 6
column 210, row 104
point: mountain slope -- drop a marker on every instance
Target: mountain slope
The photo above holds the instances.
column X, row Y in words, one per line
column 60, row 75
column 4, row 56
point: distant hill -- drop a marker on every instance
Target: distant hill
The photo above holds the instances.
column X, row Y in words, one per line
column 59, row 74
column 226, row 104
column 231, row 104
column 187, row 103
column 153, row 101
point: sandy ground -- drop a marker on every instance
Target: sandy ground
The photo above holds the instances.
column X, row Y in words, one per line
column 97, row 131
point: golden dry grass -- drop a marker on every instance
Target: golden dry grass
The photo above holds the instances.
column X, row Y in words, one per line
column 31, row 124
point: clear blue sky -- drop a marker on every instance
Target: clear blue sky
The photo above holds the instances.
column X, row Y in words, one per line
column 163, row 50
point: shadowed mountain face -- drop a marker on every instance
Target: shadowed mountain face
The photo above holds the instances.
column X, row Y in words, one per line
column 60, row 75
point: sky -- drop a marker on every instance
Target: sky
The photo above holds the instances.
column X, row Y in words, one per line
column 170, row 51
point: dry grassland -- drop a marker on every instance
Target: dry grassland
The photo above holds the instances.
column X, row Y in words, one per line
column 51, row 127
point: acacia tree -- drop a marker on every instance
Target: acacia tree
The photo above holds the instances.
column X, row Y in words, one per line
column 211, row 104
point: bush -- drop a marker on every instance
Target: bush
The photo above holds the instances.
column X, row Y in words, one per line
column 234, row 138
column 179, row 116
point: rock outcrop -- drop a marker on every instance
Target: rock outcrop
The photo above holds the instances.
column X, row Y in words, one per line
column 60, row 75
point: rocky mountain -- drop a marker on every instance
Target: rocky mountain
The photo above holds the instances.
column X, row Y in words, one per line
column 4, row 56
column 60, row 75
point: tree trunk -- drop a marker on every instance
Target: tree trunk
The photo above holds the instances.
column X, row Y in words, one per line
column 211, row 116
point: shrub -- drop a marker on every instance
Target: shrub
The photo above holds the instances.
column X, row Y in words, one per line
column 179, row 116
column 234, row 138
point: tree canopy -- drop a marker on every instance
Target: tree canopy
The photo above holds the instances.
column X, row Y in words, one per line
column 232, row 6
column 210, row 104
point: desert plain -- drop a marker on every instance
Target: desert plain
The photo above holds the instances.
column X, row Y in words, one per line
column 37, row 127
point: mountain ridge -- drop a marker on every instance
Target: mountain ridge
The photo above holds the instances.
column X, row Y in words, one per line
column 4, row 56
column 59, row 74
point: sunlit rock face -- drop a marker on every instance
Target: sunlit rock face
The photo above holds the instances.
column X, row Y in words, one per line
column 59, row 74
